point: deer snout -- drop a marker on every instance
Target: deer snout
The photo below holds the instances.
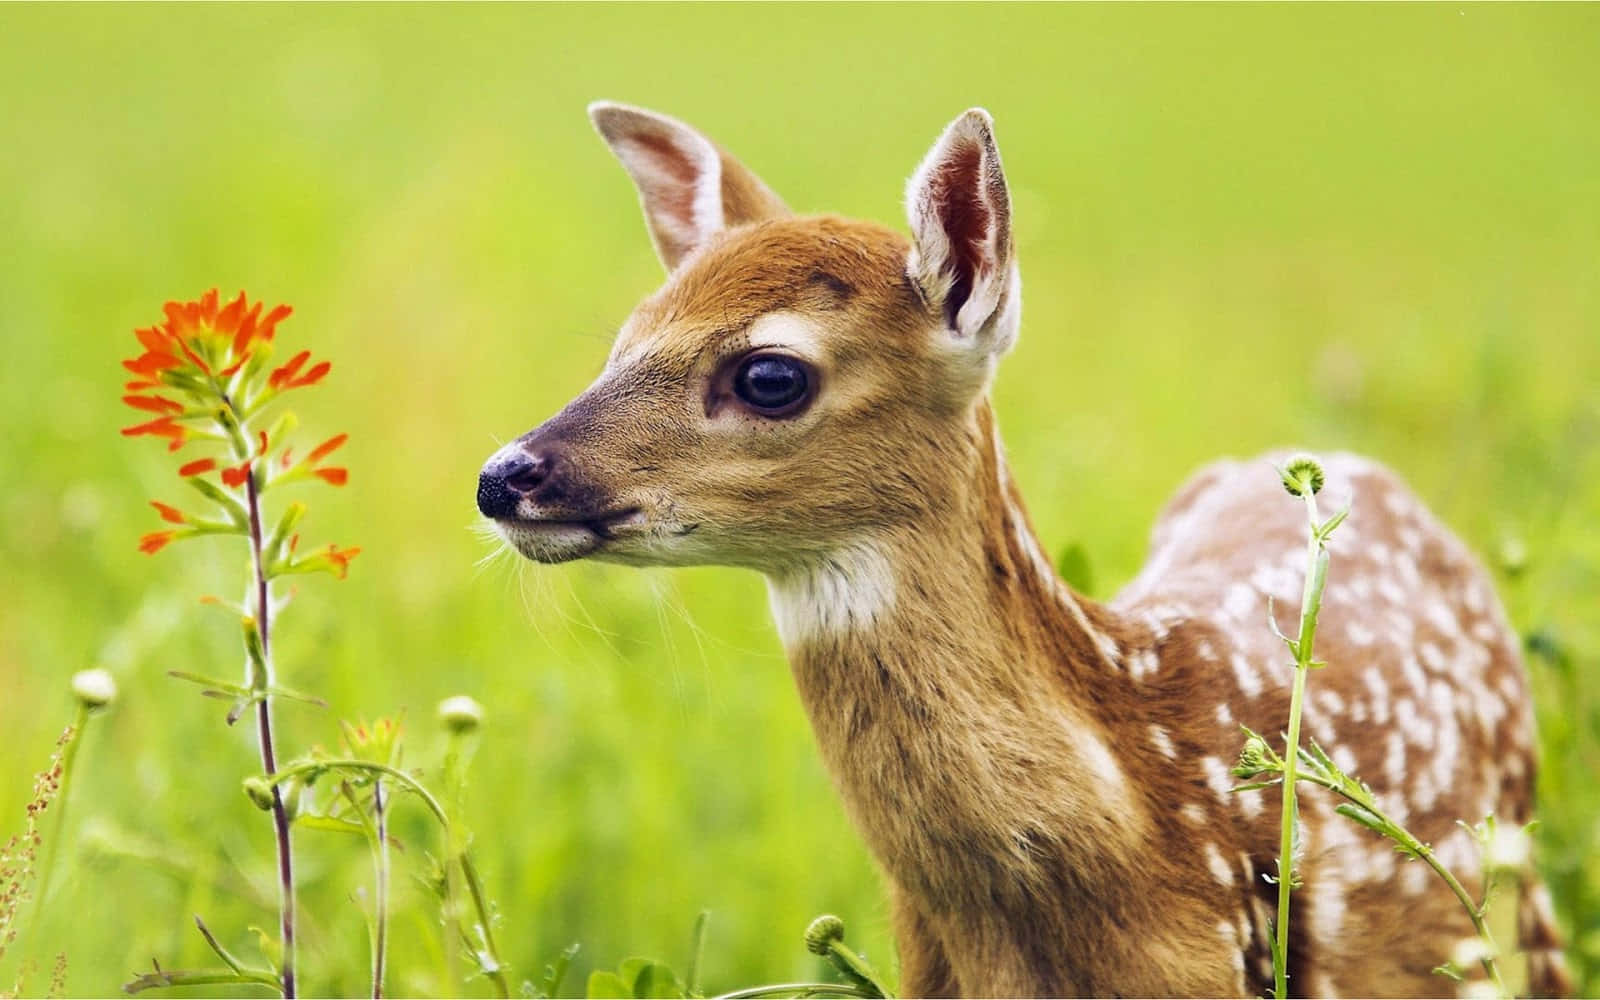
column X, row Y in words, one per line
column 511, row 476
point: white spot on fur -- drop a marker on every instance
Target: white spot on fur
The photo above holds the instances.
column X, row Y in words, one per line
column 1225, row 715
column 1162, row 741
column 1414, row 878
column 1219, row 868
column 845, row 592
column 1218, row 777
column 1329, row 701
column 1247, row 675
column 1378, row 689
column 1194, row 815
column 1394, row 761
column 1144, row 663
column 1345, row 758
column 1241, row 602
column 1327, row 906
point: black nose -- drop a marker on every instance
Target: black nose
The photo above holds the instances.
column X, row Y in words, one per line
column 507, row 479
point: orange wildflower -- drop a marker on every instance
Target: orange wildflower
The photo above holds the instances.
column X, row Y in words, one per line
column 333, row 475
column 202, row 338
column 287, row 375
column 198, row 467
column 154, row 404
column 163, row 426
column 236, row 475
column 340, row 558
column 170, row 514
column 155, row 541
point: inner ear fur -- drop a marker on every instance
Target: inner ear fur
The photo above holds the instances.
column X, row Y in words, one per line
column 959, row 209
column 690, row 189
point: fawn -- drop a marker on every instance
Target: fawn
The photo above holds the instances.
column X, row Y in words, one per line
column 1043, row 779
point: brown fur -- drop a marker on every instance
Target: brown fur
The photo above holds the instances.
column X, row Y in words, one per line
column 1043, row 778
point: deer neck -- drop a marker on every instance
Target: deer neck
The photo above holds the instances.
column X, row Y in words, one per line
column 951, row 680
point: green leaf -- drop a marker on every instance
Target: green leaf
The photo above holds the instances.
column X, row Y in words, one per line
column 1354, row 812
column 657, row 982
column 607, row 985
column 630, row 969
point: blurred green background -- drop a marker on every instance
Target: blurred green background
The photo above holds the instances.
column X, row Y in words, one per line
column 1368, row 228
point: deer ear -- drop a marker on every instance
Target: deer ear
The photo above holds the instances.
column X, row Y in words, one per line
column 960, row 214
column 689, row 188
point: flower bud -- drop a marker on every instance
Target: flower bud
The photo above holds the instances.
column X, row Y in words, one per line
column 259, row 791
column 94, row 688
column 1253, row 759
column 823, row 933
column 1302, row 474
column 461, row 713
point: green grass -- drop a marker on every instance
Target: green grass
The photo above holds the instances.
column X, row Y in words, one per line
column 1395, row 205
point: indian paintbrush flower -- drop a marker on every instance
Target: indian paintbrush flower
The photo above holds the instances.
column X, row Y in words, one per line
column 205, row 376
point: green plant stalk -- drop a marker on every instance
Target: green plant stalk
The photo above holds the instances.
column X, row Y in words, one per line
column 797, row 990
column 459, row 856
column 1408, row 842
column 1310, row 604
column 261, row 680
column 455, row 779
column 203, row 977
column 381, row 889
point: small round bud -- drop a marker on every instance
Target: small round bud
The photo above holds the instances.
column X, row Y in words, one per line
column 460, row 714
column 259, row 791
column 823, row 932
column 94, row 688
column 1253, row 758
column 1302, row 474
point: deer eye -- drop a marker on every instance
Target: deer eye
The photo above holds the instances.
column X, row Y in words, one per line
column 771, row 384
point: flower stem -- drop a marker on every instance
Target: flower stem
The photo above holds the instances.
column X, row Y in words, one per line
column 381, row 877
column 456, row 852
column 1380, row 822
column 1310, row 605
column 261, row 680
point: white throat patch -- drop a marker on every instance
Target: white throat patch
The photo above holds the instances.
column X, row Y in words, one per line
column 846, row 591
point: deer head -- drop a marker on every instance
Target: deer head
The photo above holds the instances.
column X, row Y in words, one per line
column 797, row 384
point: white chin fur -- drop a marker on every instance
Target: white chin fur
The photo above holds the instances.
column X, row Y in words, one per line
column 548, row 542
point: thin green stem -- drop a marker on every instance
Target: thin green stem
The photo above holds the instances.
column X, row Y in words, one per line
column 1387, row 827
column 457, row 853
column 201, row 977
column 261, row 680
column 1280, row 971
column 494, row 968
column 796, row 990
column 1310, row 604
column 381, row 890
